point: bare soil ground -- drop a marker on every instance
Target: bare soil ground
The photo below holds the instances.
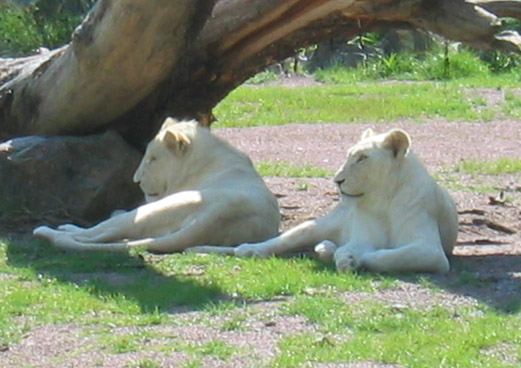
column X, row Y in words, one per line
column 489, row 246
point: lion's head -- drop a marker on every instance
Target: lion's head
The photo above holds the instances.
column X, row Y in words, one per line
column 372, row 163
column 165, row 159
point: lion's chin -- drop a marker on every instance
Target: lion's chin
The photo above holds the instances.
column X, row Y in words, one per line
column 152, row 197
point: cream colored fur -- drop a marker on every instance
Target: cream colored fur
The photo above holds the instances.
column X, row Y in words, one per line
column 392, row 217
column 199, row 189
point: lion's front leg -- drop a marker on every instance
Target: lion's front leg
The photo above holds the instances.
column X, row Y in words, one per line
column 346, row 258
column 115, row 228
column 150, row 220
column 297, row 238
column 303, row 236
column 325, row 250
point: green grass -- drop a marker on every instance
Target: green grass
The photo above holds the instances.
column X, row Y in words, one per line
column 280, row 168
column 349, row 103
column 512, row 107
column 433, row 65
column 504, row 165
column 404, row 335
column 50, row 286
column 103, row 294
column 26, row 28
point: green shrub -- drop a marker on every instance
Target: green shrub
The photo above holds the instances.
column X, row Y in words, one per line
column 461, row 64
column 18, row 31
column 47, row 23
column 500, row 62
column 434, row 65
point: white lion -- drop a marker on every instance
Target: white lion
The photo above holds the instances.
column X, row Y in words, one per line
column 392, row 217
column 199, row 189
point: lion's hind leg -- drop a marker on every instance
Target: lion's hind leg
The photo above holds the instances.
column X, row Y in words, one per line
column 418, row 256
column 66, row 240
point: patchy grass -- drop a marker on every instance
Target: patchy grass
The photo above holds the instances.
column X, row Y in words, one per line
column 104, row 296
column 504, row 165
column 404, row 335
column 50, row 286
column 280, row 168
column 359, row 102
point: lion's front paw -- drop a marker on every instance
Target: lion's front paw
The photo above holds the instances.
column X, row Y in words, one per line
column 252, row 250
column 346, row 261
column 43, row 232
column 325, row 250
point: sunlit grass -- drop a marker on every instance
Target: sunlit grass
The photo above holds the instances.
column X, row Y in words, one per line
column 41, row 284
column 403, row 335
column 504, row 165
column 347, row 103
column 280, row 168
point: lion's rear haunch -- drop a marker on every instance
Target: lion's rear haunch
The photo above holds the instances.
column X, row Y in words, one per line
column 199, row 191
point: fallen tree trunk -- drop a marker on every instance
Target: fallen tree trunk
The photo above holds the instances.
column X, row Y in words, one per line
column 119, row 54
column 133, row 62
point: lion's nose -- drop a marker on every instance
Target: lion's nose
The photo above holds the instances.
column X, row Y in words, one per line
column 339, row 181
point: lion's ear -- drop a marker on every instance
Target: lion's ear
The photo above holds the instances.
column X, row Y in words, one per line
column 176, row 141
column 398, row 142
column 367, row 133
column 168, row 123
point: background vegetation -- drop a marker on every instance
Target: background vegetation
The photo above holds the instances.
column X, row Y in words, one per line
column 28, row 25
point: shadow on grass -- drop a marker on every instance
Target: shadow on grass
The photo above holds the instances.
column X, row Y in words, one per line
column 112, row 274
column 494, row 280
column 490, row 279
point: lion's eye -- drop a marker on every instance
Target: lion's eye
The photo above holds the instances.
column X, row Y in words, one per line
column 361, row 158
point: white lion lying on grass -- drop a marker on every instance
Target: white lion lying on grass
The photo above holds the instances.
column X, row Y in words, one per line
column 199, row 189
column 393, row 217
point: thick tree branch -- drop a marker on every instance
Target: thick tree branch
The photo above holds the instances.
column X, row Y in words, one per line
column 118, row 56
column 133, row 62
column 510, row 8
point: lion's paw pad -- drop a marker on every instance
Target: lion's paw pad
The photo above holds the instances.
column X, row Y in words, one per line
column 346, row 262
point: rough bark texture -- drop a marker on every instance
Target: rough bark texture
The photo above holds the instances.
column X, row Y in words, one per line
column 118, row 56
column 133, row 62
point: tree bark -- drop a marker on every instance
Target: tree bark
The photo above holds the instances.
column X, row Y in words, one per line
column 133, row 62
